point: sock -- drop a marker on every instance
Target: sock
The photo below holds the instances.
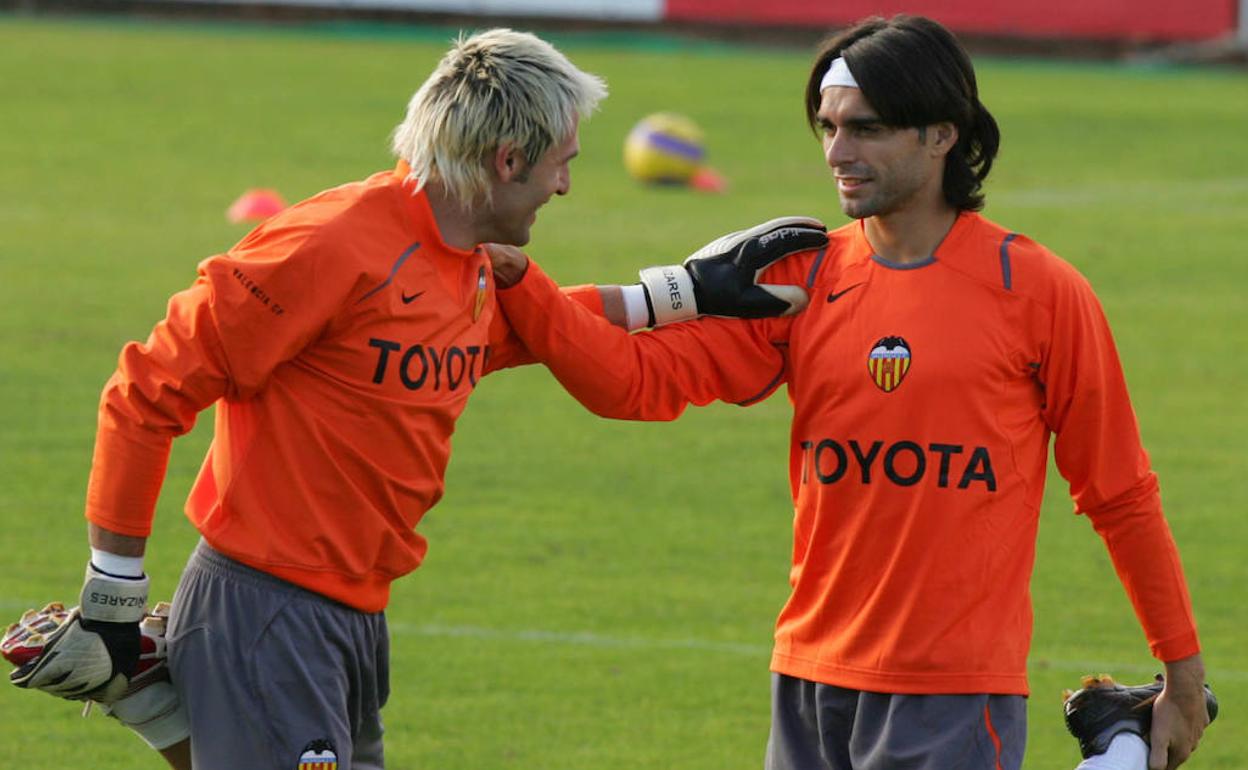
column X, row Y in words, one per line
column 1127, row 751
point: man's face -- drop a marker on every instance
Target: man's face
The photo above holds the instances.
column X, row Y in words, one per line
column 517, row 200
column 879, row 169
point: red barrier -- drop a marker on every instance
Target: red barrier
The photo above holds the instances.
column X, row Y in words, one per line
column 1133, row 20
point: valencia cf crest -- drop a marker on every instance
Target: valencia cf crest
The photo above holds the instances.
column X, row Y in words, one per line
column 318, row 755
column 481, row 292
column 888, row 362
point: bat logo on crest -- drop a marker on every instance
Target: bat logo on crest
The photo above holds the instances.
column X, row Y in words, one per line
column 888, row 362
column 318, row 755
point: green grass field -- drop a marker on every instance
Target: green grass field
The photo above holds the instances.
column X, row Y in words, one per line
column 587, row 602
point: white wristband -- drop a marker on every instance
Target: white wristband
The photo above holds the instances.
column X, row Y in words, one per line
column 670, row 288
column 120, row 566
column 636, row 308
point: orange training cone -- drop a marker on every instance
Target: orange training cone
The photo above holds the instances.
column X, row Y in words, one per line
column 709, row 180
column 255, row 205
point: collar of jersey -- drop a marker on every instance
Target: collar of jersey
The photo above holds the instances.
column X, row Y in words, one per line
column 423, row 213
column 961, row 226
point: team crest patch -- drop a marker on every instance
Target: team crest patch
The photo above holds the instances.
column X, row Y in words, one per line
column 481, row 294
column 888, row 362
column 318, row 755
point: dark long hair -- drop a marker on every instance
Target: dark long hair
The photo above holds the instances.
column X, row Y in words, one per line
column 914, row 72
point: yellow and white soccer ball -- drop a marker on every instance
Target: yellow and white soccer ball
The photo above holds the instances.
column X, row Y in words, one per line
column 664, row 148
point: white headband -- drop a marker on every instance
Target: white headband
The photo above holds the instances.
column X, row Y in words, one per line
column 838, row 75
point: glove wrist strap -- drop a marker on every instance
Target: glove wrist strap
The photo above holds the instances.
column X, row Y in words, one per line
column 670, row 291
column 112, row 599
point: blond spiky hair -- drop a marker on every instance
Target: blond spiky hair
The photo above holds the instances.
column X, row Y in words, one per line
column 494, row 87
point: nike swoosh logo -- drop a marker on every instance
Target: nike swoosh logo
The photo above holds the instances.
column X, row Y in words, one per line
column 410, row 298
column 833, row 296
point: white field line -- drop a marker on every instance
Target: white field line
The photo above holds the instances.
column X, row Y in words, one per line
column 590, row 639
column 577, row 638
column 1152, row 192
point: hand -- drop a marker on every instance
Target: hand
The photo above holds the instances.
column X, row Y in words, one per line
column 112, row 607
column 1180, row 714
column 721, row 278
column 148, row 704
column 96, row 645
column 509, row 263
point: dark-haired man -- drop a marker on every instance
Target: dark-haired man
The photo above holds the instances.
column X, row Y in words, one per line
column 939, row 353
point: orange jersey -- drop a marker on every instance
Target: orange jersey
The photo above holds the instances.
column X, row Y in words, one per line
column 923, row 398
column 340, row 341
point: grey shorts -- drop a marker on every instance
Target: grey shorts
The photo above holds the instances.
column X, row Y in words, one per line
column 822, row 727
column 274, row 676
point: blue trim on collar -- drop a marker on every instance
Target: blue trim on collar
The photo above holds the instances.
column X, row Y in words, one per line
column 1007, row 278
column 900, row 266
column 394, row 269
column 814, row 267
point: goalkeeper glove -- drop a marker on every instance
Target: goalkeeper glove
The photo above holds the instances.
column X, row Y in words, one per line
column 721, row 277
column 95, row 650
column 148, row 705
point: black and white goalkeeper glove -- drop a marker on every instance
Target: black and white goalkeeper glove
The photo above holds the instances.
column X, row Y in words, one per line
column 148, row 705
column 721, row 278
column 94, row 652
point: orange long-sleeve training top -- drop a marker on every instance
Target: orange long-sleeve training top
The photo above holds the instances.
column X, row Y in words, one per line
column 924, row 396
column 340, row 341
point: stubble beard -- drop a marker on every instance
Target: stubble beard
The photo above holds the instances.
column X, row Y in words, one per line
column 881, row 202
column 888, row 197
column 857, row 209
